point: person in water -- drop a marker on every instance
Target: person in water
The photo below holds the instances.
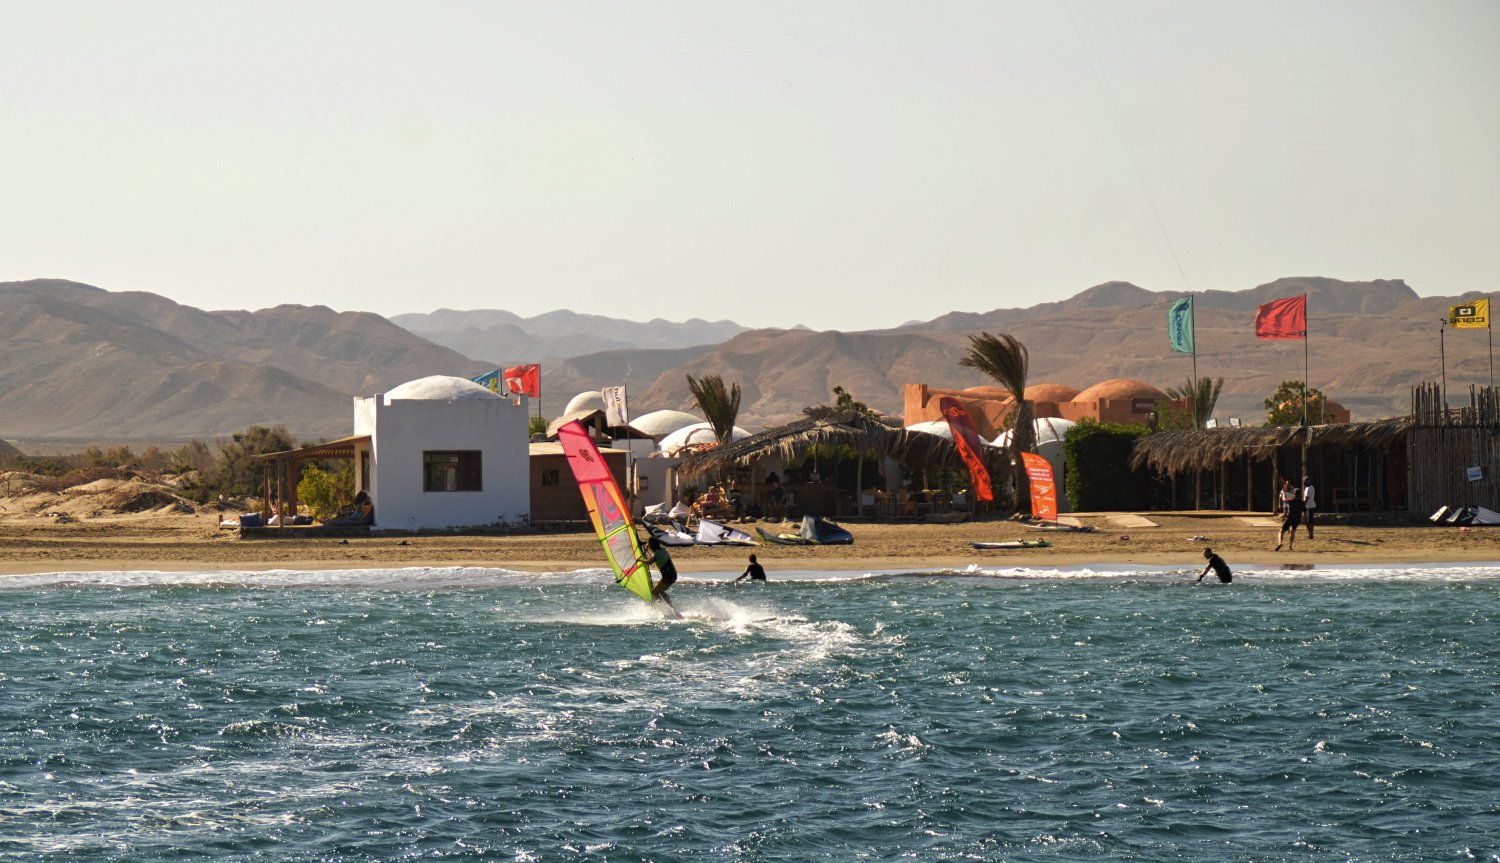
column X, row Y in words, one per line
column 1217, row 564
column 664, row 567
column 755, row 572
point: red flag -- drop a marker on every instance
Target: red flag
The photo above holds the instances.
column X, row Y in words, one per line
column 966, row 438
column 526, row 380
column 1282, row 319
column 1043, row 487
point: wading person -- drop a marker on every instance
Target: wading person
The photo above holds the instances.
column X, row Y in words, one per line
column 754, row 572
column 1217, row 564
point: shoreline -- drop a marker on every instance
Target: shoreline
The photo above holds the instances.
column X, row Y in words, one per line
column 32, row 545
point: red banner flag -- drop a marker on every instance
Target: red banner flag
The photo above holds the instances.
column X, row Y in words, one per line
column 1043, row 486
column 966, row 438
column 1282, row 319
column 526, row 380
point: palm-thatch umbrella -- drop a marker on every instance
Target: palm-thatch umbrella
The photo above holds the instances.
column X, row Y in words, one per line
column 793, row 441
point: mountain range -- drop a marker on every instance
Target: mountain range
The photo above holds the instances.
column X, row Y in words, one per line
column 79, row 361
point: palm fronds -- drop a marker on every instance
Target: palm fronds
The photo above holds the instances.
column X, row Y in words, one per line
column 720, row 404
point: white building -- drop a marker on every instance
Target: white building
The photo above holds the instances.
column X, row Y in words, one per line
column 443, row 452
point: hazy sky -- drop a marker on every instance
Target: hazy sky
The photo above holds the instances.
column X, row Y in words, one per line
column 846, row 165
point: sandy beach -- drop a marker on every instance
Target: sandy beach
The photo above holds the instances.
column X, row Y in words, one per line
column 37, row 543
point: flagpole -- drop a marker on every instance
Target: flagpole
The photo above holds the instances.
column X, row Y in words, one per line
column 1443, row 360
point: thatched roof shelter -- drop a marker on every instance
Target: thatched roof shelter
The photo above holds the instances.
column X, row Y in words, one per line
column 1185, row 450
column 795, row 440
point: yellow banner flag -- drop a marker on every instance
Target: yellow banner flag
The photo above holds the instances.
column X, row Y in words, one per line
column 1470, row 316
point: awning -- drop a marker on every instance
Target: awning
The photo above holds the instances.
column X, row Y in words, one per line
column 342, row 448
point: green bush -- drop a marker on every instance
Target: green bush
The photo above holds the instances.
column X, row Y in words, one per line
column 320, row 493
column 1098, row 465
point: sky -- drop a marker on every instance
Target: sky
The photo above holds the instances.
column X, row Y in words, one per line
column 839, row 165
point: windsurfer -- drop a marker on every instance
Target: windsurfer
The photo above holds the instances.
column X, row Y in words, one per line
column 663, row 562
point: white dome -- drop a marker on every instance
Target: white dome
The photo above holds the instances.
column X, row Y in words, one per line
column 1048, row 429
column 663, row 423
column 589, row 400
column 696, row 433
column 937, row 427
column 439, row 388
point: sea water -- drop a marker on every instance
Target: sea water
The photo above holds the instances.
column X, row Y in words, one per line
column 984, row 714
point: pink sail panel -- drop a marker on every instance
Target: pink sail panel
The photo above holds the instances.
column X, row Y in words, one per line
column 607, row 510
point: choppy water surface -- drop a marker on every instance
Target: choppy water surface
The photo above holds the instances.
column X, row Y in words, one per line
column 985, row 715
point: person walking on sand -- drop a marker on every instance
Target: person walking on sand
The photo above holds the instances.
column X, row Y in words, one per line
column 1217, row 564
column 754, row 572
column 664, row 567
column 1291, row 515
column 1309, row 503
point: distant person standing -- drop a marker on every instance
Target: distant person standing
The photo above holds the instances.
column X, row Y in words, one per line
column 1309, row 504
column 778, row 498
column 754, row 572
column 1290, row 501
column 1217, row 564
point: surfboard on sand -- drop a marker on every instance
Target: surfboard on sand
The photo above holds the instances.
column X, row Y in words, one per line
column 1014, row 543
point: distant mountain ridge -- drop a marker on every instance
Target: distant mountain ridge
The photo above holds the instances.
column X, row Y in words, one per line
column 77, row 360
column 505, row 338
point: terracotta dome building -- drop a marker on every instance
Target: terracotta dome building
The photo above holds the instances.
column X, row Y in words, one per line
column 1051, row 393
column 1118, row 400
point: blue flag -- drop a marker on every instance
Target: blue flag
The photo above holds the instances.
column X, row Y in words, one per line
column 490, row 380
column 1180, row 325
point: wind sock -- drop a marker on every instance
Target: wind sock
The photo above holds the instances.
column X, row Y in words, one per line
column 966, row 438
column 1470, row 316
column 526, row 380
column 1282, row 319
column 1180, row 325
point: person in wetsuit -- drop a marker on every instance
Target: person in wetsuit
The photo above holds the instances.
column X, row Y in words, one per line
column 1217, row 564
column 755, row 572
column 664, row 567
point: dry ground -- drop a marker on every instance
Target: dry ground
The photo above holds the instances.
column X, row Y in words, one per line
column 73, row 533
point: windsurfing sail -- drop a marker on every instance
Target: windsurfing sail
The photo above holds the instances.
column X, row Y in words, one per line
column 612, row 522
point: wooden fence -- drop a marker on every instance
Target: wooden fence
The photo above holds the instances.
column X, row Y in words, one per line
column 1454, row 452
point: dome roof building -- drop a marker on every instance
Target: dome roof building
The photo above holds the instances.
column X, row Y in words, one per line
column 1115, row 389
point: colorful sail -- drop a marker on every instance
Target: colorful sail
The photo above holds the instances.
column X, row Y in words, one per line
column 607, row 509
column 1043, row 486
column 966, row 438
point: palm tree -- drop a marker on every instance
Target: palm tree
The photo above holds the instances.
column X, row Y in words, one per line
column 1204, row 396
column 1005, row 359
column 720, row 405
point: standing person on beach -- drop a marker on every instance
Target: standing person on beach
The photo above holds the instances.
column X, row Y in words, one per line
column 1217, row 564
column 755, row 572
column 1291, row 515
column 1309, row 503
column 664, row 567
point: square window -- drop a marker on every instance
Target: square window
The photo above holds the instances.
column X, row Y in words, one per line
column 551, row 476
column 451, row 470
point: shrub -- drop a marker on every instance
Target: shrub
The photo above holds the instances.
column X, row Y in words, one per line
column 321, row 493
column 1098, row 464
